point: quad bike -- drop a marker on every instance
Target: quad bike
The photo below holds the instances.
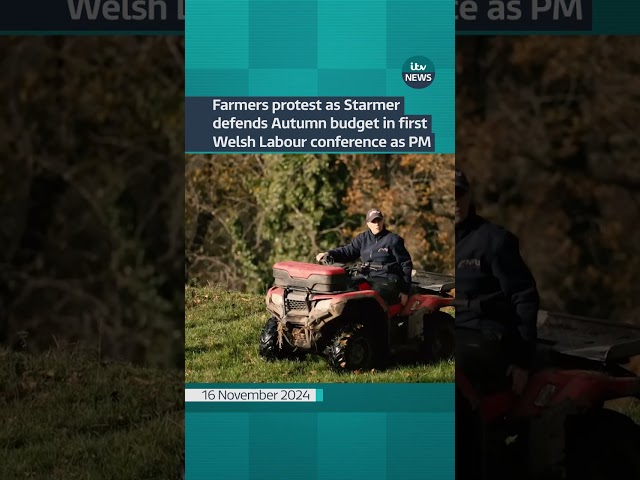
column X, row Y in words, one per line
column 332, row 311
column 559, row 427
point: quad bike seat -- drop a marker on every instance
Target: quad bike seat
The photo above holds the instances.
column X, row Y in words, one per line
column 387, row 289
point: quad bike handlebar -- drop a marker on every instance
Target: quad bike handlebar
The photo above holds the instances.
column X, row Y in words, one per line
column 327, row 260
column 357, row 269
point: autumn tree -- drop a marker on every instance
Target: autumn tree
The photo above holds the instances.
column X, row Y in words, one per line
column 416, row 194
column 91, row 190
column 546, row 129
column 245, row 212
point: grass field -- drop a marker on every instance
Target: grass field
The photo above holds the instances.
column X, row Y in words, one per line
column 222, row 330
column 628, row 406
column 65, row 415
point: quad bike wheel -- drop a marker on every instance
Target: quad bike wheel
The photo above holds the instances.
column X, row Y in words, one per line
column 269, row 347
column 439, row 337
column 351, row 348
column 604, row 445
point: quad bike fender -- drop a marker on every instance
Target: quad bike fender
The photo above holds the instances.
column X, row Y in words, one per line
column 339, row 302
column 588, row 388
column 324, row 311
column 275, row 301
column 273, row 291
column 423, row 304
column 582, row 388
column 551, row 390
column 365, row 306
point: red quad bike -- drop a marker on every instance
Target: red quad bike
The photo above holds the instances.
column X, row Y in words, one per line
column 331, row 310
column 559, row 428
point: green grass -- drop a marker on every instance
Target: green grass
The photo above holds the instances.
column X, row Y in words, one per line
column 633, row 411
column 222, row 330
column 65, row 415
column 627, row 406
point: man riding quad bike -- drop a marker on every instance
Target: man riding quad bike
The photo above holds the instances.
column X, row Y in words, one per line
column 559, row 426
column 331, row 310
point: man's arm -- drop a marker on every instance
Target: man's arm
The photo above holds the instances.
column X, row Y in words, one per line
column 404, row 260
column 519, row 286
column 349, row 252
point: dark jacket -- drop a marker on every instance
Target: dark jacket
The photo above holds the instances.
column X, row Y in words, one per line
column 495, row 289
column 387, row 249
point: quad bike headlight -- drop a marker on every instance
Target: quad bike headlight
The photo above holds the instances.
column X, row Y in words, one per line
column 276, row 299
column 322, row 306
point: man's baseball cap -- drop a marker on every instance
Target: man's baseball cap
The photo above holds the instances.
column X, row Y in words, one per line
column 373, row 214
column 462, row 182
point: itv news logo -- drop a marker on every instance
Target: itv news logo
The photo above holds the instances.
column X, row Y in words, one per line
column 418, row 72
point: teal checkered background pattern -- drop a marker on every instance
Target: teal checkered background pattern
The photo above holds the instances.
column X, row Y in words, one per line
column 324, row 48
column 378, row 432
column 316, row 48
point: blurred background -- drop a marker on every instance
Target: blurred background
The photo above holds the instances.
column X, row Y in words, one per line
column 547, row 130
column 245, row 212
column 91, row 195
column 91, row 257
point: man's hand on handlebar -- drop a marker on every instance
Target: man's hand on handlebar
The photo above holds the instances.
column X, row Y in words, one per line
column 403, row 298
column 325, row 258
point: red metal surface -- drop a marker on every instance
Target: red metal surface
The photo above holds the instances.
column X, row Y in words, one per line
column 305, row 270
column 552, row 387
column 497, row 405
column 463, row 384
column 352, row 296
column 582, row 388
column 427, row 302
column 272, row 290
